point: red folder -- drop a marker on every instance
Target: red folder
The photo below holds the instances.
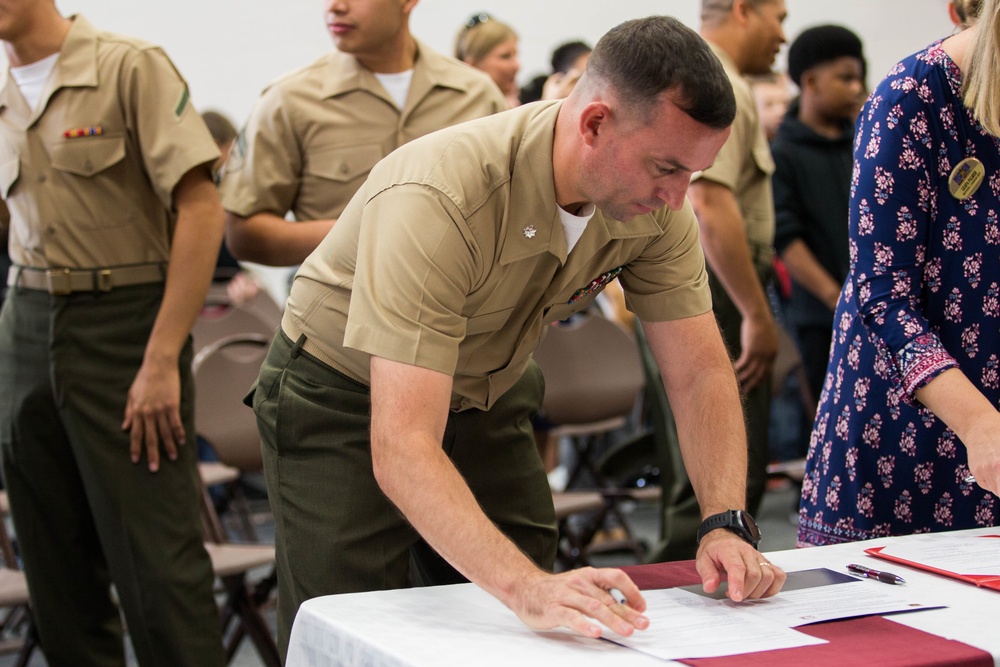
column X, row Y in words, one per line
column 981, row 580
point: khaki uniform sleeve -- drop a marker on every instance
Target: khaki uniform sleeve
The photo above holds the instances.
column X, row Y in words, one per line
column 668, row 281
column 415, row 269
column 728, row 164
column 172, row 136
column 263, row 170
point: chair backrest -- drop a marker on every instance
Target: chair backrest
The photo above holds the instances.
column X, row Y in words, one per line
column 224, row 371
column 592, row 371
column 220, row 317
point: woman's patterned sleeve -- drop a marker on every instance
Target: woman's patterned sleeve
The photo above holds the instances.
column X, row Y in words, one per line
column 893, row 204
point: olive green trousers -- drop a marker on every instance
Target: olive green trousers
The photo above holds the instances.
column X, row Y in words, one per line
column 86, row 517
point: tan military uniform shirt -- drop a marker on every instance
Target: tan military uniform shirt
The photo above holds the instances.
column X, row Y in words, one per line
column 89, row 175
column 744, row 165
column 316, row 133
column 452, row 257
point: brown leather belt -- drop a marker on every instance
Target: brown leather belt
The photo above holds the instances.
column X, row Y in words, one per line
column 67, row 281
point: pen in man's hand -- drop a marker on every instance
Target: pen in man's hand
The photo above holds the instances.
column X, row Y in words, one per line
column 885, row 577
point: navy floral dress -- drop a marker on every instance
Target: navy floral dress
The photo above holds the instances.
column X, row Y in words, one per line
column 923, row 296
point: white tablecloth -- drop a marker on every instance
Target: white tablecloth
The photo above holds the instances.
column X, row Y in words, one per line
column 463, row 625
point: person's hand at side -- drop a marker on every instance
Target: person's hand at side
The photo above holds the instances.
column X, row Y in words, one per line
column 152, row 412
column 750, row 575
column 759, row 342
column 581, row 601
column 241, row 288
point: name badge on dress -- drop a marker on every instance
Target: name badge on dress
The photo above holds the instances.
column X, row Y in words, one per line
column 966, row 178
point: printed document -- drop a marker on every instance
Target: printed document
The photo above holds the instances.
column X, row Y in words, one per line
column 687, row 623
column 958, row 554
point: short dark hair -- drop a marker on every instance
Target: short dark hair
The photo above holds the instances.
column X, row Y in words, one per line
column 822, row 44
column 645, row 57
column 532, row 91
column 220, row 127
column 566, row 54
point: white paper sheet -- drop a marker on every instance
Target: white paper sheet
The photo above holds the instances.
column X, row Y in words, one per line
column 961, row 555
column 686, row 625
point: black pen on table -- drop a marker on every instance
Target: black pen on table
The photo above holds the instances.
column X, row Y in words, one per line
column 885, row 577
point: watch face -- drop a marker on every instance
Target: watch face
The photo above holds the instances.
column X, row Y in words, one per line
column 751, row 526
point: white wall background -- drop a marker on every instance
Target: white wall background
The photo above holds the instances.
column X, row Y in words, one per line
column 229, row 49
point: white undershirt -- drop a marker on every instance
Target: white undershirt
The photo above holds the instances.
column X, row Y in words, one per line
column 31, row 78
column 573, row 225
column 397, row 85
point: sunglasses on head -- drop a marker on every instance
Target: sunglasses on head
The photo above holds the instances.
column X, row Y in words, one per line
column 476, row 19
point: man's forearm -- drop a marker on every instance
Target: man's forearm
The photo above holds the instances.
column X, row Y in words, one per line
column 712, row 434
column 271, row 240
column 727, row 250
column 194, row 249
column 423, row 483
column 415, row 474
column 810, row 274
column 409, row 416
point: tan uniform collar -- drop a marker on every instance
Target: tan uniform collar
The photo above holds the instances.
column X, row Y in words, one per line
column 345, row 74
column 533, row 224
column 75, row 67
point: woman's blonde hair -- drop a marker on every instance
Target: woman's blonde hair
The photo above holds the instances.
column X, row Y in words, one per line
column 481, row 34
column 981, row 86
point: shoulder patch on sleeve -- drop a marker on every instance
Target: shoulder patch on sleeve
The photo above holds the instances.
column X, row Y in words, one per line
column 182, row 102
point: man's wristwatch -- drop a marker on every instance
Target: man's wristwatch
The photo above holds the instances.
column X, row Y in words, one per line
column 737, row 521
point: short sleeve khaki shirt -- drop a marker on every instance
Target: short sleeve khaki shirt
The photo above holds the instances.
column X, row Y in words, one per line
column 452, row 257
column 744, row 165
column 89, row 175
column 315, row 134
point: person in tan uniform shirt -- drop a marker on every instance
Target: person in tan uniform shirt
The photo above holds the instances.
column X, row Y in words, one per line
column 315, row 133
column 735, row 210
column 394, row 405
column 105, row 167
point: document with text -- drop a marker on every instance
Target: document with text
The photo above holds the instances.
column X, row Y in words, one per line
column 960, row 554
column 686, row 623
column 972, row 559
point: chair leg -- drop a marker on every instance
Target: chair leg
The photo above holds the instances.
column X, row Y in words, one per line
column 241, row 603
column 210, row 523
column 30, row 643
